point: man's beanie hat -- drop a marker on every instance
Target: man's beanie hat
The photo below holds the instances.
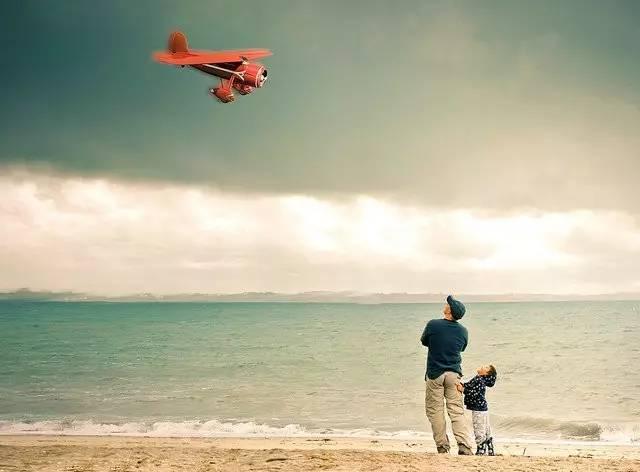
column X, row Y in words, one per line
column 457, row 307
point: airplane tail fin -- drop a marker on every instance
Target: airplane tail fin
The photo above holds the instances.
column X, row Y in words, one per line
column 178, row 42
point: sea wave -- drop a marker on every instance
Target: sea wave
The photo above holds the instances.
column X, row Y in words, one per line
column 509, row 430
column 526, row 426
column 210, row 428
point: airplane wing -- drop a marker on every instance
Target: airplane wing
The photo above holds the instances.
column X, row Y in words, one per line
column 209, row 57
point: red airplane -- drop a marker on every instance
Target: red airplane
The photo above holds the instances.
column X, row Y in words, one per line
column 233, row 67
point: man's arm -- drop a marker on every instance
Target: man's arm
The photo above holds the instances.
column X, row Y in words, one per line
column 466, row 340
column 424, row 339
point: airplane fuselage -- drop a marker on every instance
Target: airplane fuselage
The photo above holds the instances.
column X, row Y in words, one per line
column 224, row 70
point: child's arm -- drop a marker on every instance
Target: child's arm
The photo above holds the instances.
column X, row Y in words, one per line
column 461, row 383
column 468, row 382
column 467, row 379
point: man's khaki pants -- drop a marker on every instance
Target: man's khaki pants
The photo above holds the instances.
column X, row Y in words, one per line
column 438, row 392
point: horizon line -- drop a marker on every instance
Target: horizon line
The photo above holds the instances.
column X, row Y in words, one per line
column 25, row 293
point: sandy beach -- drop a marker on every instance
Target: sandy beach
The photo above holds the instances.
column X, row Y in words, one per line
column 100, row 453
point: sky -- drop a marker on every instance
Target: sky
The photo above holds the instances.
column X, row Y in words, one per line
column 418, row 146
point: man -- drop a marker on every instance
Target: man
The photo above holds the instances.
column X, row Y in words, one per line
column 445, row 339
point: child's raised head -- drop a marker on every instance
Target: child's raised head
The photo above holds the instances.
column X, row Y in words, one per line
column 487, row 371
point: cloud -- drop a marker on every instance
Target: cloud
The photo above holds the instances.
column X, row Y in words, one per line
column 109, row 236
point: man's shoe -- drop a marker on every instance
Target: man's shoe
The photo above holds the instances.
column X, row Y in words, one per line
column 481, row 450
column 490, row 447
column 443, row 450
column 464, row 450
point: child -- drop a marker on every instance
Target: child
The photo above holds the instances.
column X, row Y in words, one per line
column 474, row 391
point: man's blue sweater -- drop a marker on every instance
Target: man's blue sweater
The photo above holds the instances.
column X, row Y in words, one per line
column 445, row 340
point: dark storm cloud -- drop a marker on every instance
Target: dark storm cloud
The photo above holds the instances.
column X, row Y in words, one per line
column 472, row 104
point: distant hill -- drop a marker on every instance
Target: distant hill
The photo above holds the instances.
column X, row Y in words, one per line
column 25, row 294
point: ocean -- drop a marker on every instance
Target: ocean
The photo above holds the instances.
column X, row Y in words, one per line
column 567, row 371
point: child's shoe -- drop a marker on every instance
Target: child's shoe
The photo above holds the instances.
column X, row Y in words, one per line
column 490, row 447
column 481, row 450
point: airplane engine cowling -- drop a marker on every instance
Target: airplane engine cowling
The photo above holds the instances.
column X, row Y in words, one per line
column 224, row 94
column 242, row 88
column 254, row 75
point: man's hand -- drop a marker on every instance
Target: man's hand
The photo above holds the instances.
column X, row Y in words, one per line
column 460, row 387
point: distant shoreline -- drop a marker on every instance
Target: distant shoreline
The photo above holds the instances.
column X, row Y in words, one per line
column 28, row 295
